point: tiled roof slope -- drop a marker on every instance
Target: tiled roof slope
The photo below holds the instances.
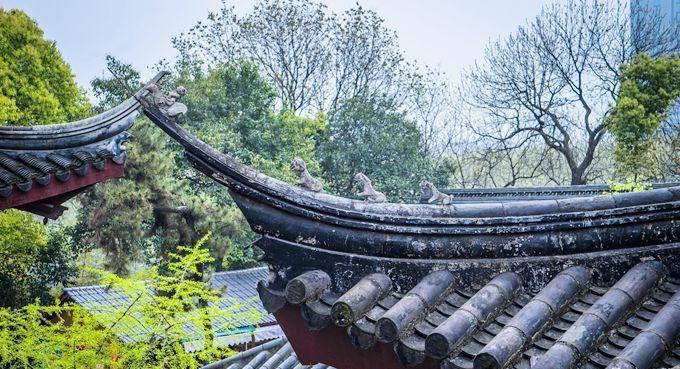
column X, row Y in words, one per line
column 276, row 354
column 25, row 170
column 569, row 323
column 238, row 288
column 42, row 166
column 241, row 286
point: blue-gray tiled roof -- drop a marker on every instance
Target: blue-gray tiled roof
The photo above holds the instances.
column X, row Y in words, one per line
column 241, row 286
column 238, row 288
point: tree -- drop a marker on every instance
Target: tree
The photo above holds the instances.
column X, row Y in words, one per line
column 233, row 109
column 36, row 85
column 32, row 260
column 314, row 58
column 649, row 89
column 288, row 41
column 155, row 206
column 668, row 152
column 367, row 60
column 320, row 62
column 165, row 200
column 110, row 91
column 368, row 135
column 156, row 313
column 554, row 80
column 297, row 66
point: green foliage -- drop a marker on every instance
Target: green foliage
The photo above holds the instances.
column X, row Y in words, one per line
column 370, row 136
column 156, row 205
column 123, row 215
column 21, row 239
column 110, row 91
column 32, row 260
column 161, row 305
column 30, row 340
column 36, row 86
column 323, row 65
column 649, row 87
column 232, row 108
column 162, row 201
column 628, row 186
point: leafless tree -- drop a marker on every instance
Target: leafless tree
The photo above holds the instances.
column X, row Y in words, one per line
column 289, row 41
column 366, row 58
column 433, row 109
column 211, row 42
column 555, row 79
column 316, row 59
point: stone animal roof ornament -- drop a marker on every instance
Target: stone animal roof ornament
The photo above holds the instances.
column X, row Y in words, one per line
column 168, row 103
column 369, row 192
column 306, row 180
column 435, row 197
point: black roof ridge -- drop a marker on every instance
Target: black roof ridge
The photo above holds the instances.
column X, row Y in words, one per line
column 78, row 133
column 593, row 186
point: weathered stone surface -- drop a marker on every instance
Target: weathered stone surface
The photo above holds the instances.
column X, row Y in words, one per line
column 307, row 286
column 609, row 309
column 354, row 303
column 413, row 306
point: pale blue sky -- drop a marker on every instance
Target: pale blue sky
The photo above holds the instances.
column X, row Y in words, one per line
column 449, row 34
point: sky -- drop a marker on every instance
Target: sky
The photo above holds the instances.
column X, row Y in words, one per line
column 447, row 34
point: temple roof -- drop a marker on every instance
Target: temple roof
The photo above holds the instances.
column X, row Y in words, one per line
column 276, row 354
column 570, row 322
column 438, row 230
column 561, row 282
column 238, row 288
column 43, row 166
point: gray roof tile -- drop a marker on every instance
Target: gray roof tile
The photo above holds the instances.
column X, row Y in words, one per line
column 569, row 323
column 276, row 354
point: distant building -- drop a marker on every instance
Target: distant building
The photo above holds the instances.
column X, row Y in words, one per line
column 238, row 286
column 667, row 11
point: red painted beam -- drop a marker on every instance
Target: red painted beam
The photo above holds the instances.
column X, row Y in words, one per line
column 55, row 188
column 332, row 346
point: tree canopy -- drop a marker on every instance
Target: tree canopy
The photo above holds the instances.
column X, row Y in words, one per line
column 36, row 85
column 156, row 313
column 367, row 135
column 167, row 202
column 551, row 84
column 649, row 90
column 32, row 260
